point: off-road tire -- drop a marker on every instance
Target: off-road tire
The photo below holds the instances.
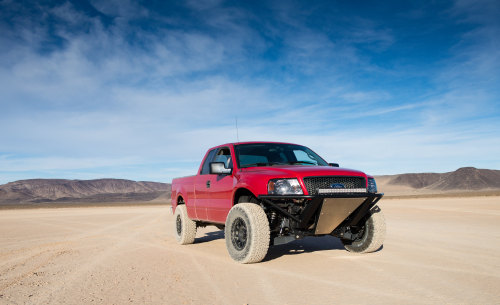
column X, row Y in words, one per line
column 247, row 233
column 373, row 235
column 184, row 228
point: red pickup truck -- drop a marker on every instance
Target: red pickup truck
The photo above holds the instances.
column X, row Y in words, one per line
column 267, row 193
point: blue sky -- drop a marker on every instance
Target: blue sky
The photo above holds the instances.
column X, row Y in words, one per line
column 140, row 91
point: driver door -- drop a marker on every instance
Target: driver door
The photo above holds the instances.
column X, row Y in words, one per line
column 221, row 188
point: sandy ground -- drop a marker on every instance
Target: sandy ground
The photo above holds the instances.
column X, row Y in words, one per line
column 437, row 251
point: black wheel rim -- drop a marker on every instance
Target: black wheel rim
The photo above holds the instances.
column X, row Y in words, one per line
column 361, row 234
column 239, row 234
column 178, row 224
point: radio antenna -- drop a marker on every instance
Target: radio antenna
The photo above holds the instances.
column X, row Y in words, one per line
column 237, row 135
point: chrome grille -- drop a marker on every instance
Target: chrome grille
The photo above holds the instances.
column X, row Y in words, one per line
column 315, row 183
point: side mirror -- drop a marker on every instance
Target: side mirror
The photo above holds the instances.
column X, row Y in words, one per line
column 219, row 168
column 333, row 164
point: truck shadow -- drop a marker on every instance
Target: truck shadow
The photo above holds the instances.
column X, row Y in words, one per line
column 210, row 236
column 306, row 245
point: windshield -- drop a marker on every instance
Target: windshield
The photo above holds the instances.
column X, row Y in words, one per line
column 268, row 154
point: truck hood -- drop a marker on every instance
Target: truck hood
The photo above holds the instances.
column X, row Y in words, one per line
column 285, row 171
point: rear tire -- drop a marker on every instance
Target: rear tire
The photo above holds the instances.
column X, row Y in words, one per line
column 184, row 228
column 373, row 235
column 247, row 233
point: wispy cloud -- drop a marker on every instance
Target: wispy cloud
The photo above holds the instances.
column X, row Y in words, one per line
column 134, row 92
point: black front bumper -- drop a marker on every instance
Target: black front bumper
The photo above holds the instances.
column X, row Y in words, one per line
column 326, row 211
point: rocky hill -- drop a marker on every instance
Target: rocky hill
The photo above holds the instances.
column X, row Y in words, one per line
column 60, row 191
column 99, row 190
column 465, row 179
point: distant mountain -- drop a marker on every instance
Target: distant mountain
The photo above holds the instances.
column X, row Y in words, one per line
column 55, row 191
column 468, row 178
column 463, row 179
column 98, row 190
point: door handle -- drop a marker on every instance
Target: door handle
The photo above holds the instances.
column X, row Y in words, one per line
column 208, row 184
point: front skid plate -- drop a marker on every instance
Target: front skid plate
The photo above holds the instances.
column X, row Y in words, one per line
column 334, row 211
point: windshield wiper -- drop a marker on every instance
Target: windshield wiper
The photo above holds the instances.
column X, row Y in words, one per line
column 277, row 163
column 303, row 162
column 255, row 164
column 263, row 164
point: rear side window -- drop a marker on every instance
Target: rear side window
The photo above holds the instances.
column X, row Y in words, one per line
column 205, row 170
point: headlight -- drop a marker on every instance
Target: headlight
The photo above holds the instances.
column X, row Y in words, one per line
column 372, row 185
column 284, row 187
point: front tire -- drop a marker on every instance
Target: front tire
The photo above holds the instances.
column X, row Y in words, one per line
column 373, row 235
column 184, row 228
column 247, row 233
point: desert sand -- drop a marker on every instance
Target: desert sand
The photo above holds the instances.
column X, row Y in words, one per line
column 443, row 250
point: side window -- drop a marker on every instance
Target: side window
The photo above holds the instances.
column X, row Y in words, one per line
column 224, row 155
column 205, row 170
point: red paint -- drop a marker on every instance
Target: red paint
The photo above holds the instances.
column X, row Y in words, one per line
column 213, row 204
